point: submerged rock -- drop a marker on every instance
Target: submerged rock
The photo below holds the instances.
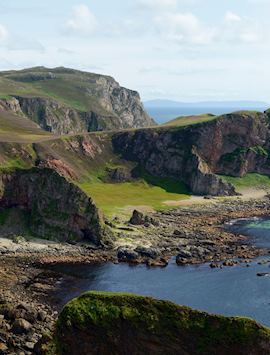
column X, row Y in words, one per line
column 110, row 323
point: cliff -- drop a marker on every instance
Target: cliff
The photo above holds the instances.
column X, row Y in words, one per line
column 108, row 323
column 42, row 203
column 197, row 154
column 233, row 144
column 64, row 101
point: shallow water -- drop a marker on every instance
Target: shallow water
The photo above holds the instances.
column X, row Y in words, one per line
column 233, row 291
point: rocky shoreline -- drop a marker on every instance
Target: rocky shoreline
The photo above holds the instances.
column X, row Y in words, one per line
column 194, row 234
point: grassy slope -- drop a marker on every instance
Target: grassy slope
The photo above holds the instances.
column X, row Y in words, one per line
column 113, row 198
column 72, row 88
column 190, row 120
column 250, row 181
column 147, row 191
column 14, row 128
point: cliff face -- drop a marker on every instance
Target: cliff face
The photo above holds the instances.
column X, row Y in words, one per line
column 110, row 323
column 66, row 101
column 231, row 145
column 53, row 207
column 171, row 153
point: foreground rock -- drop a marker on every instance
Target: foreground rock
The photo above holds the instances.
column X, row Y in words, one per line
column 108, row 323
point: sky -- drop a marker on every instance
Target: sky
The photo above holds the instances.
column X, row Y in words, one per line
column 186, row 50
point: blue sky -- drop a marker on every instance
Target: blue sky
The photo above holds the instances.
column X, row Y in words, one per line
column 188, row 50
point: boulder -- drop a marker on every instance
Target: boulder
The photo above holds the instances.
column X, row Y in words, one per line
column 152, row 253
column 118, row 174
column 21, row 326
column 127, row 254
column 137, row 218
column 116, row 323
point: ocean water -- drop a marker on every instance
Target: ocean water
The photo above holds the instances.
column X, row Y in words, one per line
column 231, row 291
column 162, row 115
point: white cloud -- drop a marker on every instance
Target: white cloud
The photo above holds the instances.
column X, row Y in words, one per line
column 232, row 17
column 240, row 29
column 82, row 22
column 157, row 4
column 184, row 28
column 3, row 33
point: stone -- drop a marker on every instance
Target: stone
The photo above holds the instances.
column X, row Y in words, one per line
column 152, row 253
column 3, row 348
column 137, row 218
column 41, row 316
column 119, row 175
column 127, row 254
column 21, row 326
column 184, row 254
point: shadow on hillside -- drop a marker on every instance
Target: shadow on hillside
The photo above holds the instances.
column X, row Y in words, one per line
column 167, row 184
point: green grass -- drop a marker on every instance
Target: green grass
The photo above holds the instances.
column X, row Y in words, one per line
column 14, row 128
column 252, row 180
column 72, row 88
column 112, row 197
column 190, row 120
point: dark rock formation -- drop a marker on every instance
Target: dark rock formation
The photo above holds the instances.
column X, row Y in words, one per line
column 137, row 218
column 118, row 175
column 232, row 144
column 52, row 207
column 109, row 323
column 124, row 254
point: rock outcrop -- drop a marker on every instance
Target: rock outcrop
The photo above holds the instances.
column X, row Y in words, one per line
column 232, row 144
column 110, row 323
column 49, row 207
column 71, row 101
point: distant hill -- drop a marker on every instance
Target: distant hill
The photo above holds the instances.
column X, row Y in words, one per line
column 163, row 111
column 64, row 101
column 215, row 104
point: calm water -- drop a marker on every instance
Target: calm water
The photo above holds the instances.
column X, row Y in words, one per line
column 229, row 291
column 162, row 115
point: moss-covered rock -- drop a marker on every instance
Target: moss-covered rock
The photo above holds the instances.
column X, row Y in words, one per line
column 111, row 323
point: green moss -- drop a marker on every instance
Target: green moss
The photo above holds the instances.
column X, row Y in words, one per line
column 109, row 313
column 239, row 154
column 4, row 214
column 259, row 150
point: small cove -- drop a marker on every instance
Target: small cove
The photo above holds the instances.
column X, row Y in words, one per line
column 231, row 291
